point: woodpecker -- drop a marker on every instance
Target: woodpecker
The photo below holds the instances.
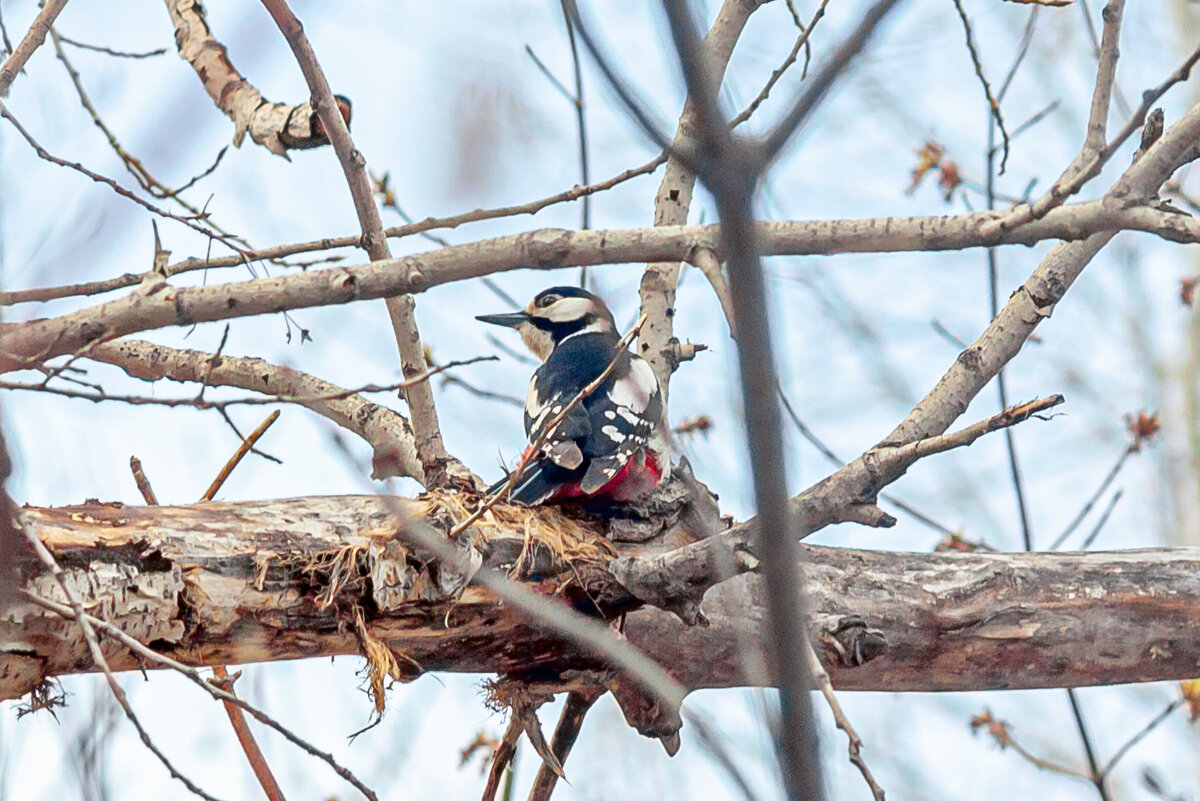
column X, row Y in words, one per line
column 613, row 443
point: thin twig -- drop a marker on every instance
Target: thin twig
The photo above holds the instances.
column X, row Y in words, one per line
column 853, row 741
column 1108, row 510
column 133, row 164
column 1140, row 735
column 202, row 403
column 143, row 483
column 1011, row 416
column 1094, row 498
column 709, row 739
column 993, row 104
column 109, row 51
column 581, row 124
column 802, row 41
column 993, row 273
column 1095, row 776
column 238, row 455
column 85, row 624
column 1001, row 733
column 823, row 81
column 189, row 221
column 1022, row 51
column 216, row 692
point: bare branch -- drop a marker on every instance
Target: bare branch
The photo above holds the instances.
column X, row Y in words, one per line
column 996, row 621
column 853, row 741
column 993, row 103
column 281, row 251
column 32, row 41
column 388, row 433
column 276, row 126
column 157, row 305
column 143, row 483
column 436, row 463
column 238, row 455
column 192, row 221
column 823, row 81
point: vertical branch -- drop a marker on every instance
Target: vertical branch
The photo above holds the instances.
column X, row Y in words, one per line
column 434, row 459
column 1096, row 776
column 674, row 199
column 581, row 124
column 731, row 170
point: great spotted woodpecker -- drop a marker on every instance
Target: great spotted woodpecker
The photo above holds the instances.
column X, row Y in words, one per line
column 613, row 443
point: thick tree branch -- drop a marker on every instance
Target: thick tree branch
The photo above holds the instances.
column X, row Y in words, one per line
column 221, row 583
column 156, row 304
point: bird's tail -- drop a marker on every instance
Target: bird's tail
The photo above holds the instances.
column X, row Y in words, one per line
column 535, row 485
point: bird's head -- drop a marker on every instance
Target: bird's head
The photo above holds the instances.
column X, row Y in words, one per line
column 554, row 315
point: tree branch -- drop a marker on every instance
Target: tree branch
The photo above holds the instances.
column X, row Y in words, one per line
column 32, row 41
column 951, row 621
column 436, row 462
column 278, row 127
column 674, row 200
column 387, row 432
column 156, row 305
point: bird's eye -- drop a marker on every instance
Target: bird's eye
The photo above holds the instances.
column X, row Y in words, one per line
column 546, row 300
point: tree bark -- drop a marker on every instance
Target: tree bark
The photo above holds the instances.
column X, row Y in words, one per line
column 234, row 583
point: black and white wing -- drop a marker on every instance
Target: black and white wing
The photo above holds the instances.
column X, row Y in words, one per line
column 625, row 414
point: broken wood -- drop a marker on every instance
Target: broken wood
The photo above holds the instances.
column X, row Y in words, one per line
column 235, row 583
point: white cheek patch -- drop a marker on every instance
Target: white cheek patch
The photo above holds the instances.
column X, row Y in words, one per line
column 635, row 389
column 569, row 309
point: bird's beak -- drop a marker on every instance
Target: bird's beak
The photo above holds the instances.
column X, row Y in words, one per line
column 509, row 320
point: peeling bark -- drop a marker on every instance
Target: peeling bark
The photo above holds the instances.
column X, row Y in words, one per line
column 278, row 127
column 235, row 583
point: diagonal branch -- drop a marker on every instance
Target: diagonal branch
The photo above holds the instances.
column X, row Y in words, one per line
column 278, row 127
column 387, row 432
column 32, row 41
column 436, row 463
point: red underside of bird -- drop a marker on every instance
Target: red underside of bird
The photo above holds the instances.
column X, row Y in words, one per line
column 635, row 479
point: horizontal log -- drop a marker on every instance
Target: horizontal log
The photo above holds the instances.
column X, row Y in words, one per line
column 235, row 583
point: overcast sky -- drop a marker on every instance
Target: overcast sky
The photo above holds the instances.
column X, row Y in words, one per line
column 447, row 101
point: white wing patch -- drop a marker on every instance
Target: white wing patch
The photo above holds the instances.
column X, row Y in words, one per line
column 613, row 433
column 635, row 389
